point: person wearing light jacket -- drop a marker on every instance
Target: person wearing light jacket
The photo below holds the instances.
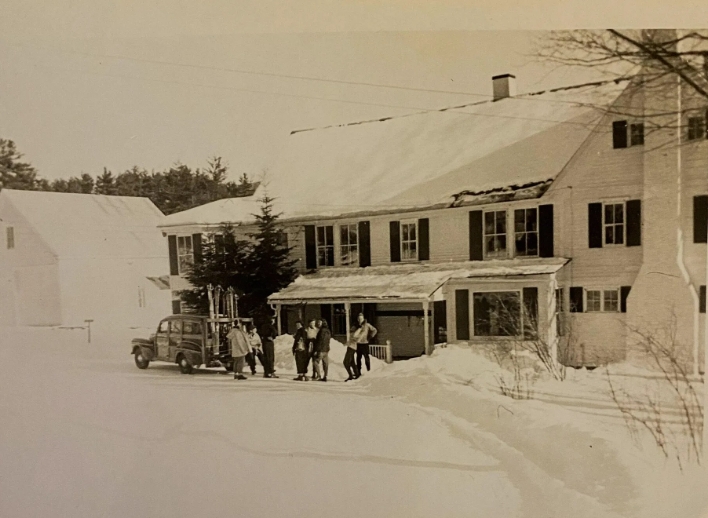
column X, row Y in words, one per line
column 254, row 340
column 239, row 349
column 367, row 332
column 349, row 356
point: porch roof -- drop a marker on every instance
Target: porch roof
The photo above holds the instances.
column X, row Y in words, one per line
column 403, row 282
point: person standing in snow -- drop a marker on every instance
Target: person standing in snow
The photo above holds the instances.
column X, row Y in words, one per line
column 268, row 334
column 239, row 349
column 349, row 357
column 311, row 336
column 300, row 351
column 321, row 352
column 367, row 332
column 254, row 341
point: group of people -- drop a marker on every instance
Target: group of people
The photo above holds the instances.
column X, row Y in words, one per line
column 310, row 344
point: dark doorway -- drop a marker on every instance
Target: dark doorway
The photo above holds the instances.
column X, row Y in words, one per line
column 440, row 321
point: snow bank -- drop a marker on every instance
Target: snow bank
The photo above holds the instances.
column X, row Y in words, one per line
column 285, row 362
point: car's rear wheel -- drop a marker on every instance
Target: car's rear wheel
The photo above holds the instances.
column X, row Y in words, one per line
column 140, row 361
column 185, row 366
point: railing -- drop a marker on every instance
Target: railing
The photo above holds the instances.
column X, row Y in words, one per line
column 382, row 352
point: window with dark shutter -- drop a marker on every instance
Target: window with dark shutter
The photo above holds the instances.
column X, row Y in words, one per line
column 576, row 299
column 545, row 231
column 595, row 225
column 619, row 134
column 176, row 307
column 197, row 247
column 172, row 246
column 636, row 134
column 310, row 248
column 395, row 241
column 702, row 299
column 424, row 239
column 700, row 219
column 364, row 244
column 462, row 314
column 476, row 235
column 634, row 222
column 624, row 293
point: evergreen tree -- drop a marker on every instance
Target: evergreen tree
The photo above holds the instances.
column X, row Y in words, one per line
column 106, row 184
column 271, row 268
column 224, row 263
column 15, row 174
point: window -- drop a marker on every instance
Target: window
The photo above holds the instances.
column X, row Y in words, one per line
column 325, row 246
column 602, row 301
column 409, row 240
column 283, row 239
column 349, row 244
column 192, row 328
column 614, row 223
column 526, row 231
column 185, row 253
column 339, row 319
column 497, row 314
column 495, row 233
column 162, row 328
column 10, row 233
column 636, row 134
column 619, row 134
column 175, row 327
column 696, row 128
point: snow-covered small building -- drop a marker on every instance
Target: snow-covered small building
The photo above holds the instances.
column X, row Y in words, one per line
column 66, row 258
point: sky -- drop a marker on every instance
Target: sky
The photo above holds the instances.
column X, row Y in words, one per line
column 91, row 84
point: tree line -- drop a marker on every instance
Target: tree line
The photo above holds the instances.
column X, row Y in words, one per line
column 178, row 188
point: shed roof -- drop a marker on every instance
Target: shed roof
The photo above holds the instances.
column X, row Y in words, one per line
column 403, row 282
column 90, row 225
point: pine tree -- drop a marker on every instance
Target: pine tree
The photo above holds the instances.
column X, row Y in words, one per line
column 106, row 184
column 224, row 262
column 15, row 174
column 271, row 268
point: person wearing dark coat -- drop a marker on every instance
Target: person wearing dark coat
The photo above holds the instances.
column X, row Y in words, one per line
column 321, row 350
column 268, row 335
column 300, row 351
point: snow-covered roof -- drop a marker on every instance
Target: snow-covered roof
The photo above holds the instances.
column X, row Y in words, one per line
column 231, row 210
column 91, row 225
column 405, row 281
column 421, row 159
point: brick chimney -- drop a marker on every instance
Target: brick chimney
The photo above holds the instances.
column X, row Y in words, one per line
column 503, row 86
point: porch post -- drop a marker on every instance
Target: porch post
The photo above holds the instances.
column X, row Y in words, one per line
column 278, row 308
column 426, row 327
column 552, row 331
column 348, row 318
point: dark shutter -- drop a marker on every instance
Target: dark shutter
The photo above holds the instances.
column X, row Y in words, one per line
column 197, row 247
column 310, row 248
column 545, row 230
column 395, row 240
column 364, row 244
column 176, row 307
column 619, row 134
column 476, row 236
column 634, row 222
column 424, row 239
column 624, row 293
column 595, row 225
column 172, row 245
column 530, row 296
column 576, row 299
column 462, row 314
column 702, row 299
column 326, row 313
column 700, row 219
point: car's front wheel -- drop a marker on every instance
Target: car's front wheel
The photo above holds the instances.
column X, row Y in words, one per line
column 140, row 361
column 185, row 366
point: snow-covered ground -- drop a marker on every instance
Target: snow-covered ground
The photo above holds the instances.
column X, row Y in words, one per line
column 85, row 433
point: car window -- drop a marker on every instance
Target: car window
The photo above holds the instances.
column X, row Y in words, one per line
column 163, row 327
column 175, row 326
column 192, row 328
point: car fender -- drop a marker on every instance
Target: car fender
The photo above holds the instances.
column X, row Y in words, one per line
column 146, row 347
column 193, row 352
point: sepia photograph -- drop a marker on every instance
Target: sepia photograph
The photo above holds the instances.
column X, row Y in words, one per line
column 365, row 258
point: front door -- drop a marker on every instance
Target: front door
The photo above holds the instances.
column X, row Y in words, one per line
column 175, row 338
column 162, row 340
